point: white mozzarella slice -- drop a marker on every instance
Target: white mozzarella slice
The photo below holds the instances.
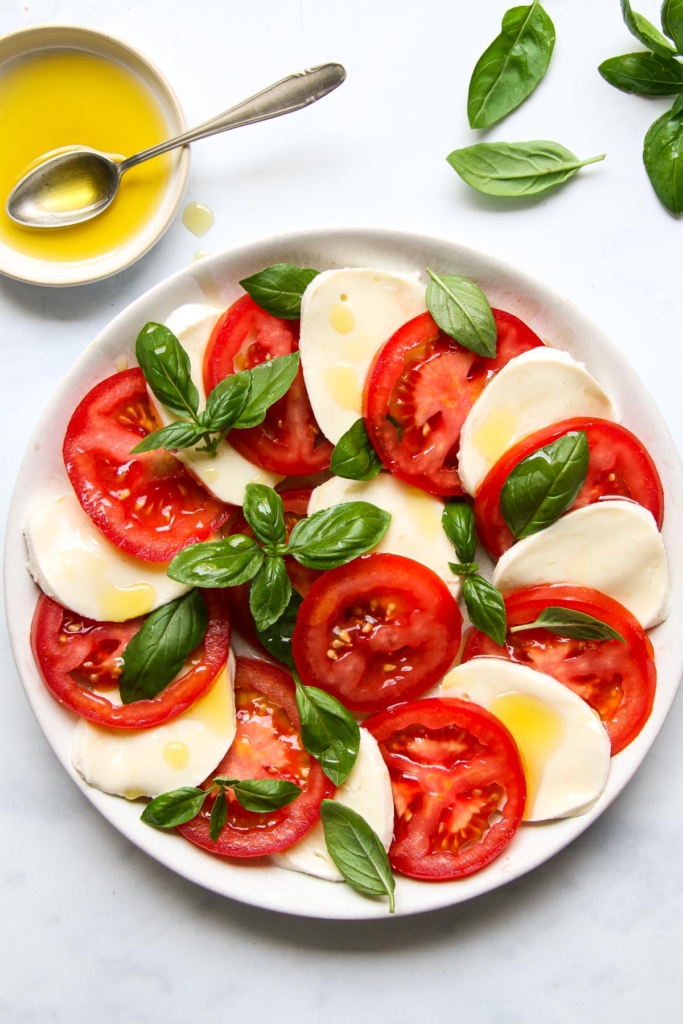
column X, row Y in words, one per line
column 415, row 530
column 346, row 316
column 564, row 745
column 612, row 546
column 148, row 762
column 226, row 474
column 72, row 562
column 532, row 391
column 366, row 791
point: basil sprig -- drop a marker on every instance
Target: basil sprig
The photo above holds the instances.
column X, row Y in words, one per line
column 645, row 32
column 357, row 851
column 545, row 484
column 512, row 66
column 663, row 158
column 461, row 309
column 278, row 289
column 353, row 457
column 485, row 605
column 155, row 655
column 516, row 168
column 646, row 74
column 329, row 732
column 672, row 21
column 569, row 623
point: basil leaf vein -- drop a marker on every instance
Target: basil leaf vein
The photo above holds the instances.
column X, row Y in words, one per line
column 357, row 851
column 278, row 289
column 646, row 74
column 485, row 607
column 336, row 535
column 269, row 593
column 167, row 370
column 461, row 309
column 569, row 623
column 353, row 457
column 217, row 563
column 329, row 732
column 516, row 168
column 545, row 484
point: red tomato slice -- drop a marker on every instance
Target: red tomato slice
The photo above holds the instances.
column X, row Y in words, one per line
column 289, row 441
column 618, row 466
column 148, row 505
column 74, row 653
column 426, row 382
column 267, row 746
column 381, row 629
column 454, row 770
column 617, row 680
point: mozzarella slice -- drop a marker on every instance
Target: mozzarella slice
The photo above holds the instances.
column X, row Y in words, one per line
column 226, row 474
column 612, row 546
column 366, row 791
column 148, row 762
column 75, row 564
column 532, row 391
column 346, row 316
column 415, row 530
column 564, row 746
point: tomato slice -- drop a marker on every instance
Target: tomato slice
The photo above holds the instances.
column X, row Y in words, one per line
column 267, row 746
column 289, row 441
column 617, row 680
column 618, row 466
column 74, row 653
column 419, row 391
column 380, row 629
column 148, row 505
column 458, row 784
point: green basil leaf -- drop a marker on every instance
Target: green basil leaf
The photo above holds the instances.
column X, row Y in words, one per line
column 357, row 851
column 485, row 607
column 217, row 563
column 180, row 434
column 226, row 401
column 457, row 520
column 329, row 732
column 353, row 457
column 566, row 622
column 334, row 536
column 677, row 108
column 646, row 74
column 512, row 66
column 278, row 289
column 672, row 21
column 261, row 795
column 174, row 808
column 269, row 593
column 265, row 513
column 158, row 650
column 461, row 309
column 269, row 382
column 277, row 638
column 645, row 31
column 219, row 816
column 516, row 168
column 545, row 484
column 463, row 568
column 663, row 158
column 166, row 366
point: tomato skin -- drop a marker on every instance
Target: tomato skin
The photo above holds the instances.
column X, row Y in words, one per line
column 613, row 451
column 59, row 652
column 617, row 680
column 110, row 483
column 450, row 762
column 428, row 383
column 392, row 625
column 264, row 691
column 289, row 440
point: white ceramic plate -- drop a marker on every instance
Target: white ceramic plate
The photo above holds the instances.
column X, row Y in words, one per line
column 215, row 280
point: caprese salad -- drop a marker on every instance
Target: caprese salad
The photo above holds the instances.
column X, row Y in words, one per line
column 304, row 477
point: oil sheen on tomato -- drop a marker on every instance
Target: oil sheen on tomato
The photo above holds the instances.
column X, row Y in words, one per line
column 68, row 98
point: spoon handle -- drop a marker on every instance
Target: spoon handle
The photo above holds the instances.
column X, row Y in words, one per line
column 291, row 93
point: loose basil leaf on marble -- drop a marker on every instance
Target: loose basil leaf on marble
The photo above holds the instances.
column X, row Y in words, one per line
column 646, row 74
column 278, row 289
column 277, row 638
column 166, row 366
column 647, row 33
column 219, row 816
column 158, row 650
column 226, row 402
column 463, row 568
column 357, row 851
column 485, row 607
column 334, row 536
column 174, row 808
column 329, row 732
column 269, row 592
column 217, row 563
column 545, row 484
column 461, row 309
column 663, row 158
column 353, row 457
column 180, row 434
column 516, row 168
column 269, row 382
column 512, row 66
column 672, row 21
column 261, row 795
column 264, row 511
column 569, row 623
column 457, row 520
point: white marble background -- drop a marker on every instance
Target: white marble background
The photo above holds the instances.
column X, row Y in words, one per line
column 94, row 931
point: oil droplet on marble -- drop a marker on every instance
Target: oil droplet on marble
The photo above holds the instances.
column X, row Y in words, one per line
column 121, row 363
column 200, row 254
column 198, row 218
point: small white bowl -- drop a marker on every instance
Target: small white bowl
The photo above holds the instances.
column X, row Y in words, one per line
column 27, row 41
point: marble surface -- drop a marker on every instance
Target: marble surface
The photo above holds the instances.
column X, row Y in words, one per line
column 91, row 928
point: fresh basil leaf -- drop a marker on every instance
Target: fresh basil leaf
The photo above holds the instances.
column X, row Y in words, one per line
column 457, row 520
column 277, row 638
column 463, row 568
column 663, row 158
column 516, row 168
column 677, row 108
column 570, row 623
column 329, row 732
column 646, row 74
column 545, row 484
column 226, row 401
column 334, row 536
column 353, row 457
column 219, row 816
column 264, row 511
column 645, row 31
column 512, row 66
column 166, row 366
column 158, row 650
column 672, row 21
column 269, row 593
column 485, row 607
column 357, row 851
column 180, row 434
column 261, row 795
column 217, row 563
column 269, row 382
column 278, row 289
column 461, row 309
column 174, row 808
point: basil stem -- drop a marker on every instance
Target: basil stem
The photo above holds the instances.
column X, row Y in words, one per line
column 516, row 168
column 646, row 74
column 569, row 623
column 353, row 457
column 329, row 732
column 461, row 309
column 357, row 851
column 485, row 607
column 278, row 289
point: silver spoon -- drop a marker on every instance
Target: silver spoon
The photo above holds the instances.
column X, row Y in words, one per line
column 77, row 185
